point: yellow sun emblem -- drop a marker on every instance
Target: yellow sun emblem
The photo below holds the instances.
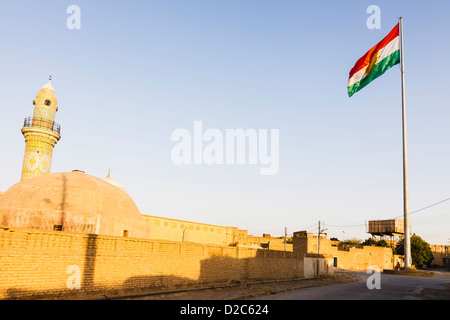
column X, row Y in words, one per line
column 372, row 63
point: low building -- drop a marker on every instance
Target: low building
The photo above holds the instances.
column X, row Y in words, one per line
column 440, row 255
column 194, row 232
column 355, row 257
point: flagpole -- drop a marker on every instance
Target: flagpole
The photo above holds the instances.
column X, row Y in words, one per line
column 407, row 240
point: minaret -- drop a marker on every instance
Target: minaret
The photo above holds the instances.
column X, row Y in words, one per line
column 41, row 133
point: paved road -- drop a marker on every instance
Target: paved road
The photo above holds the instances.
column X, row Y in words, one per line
column 340, row 287
column 392, row 287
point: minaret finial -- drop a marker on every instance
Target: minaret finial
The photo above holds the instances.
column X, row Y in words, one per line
column 50, row 78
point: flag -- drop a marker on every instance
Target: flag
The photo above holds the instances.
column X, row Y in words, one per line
column 375, row 62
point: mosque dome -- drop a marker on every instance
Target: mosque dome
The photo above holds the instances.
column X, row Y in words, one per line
column 114, row 182
column 72, row 202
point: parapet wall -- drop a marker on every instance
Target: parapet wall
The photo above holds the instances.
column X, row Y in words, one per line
column 358, row 259
column 187, row 231
column 49, row 264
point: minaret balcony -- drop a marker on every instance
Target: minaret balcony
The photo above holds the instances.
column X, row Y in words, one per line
column 42, row 123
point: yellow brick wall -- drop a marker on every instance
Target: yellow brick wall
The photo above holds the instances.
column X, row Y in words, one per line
column 49, row 264
column 440, row 254
column 358, row 259
column 180, row 230
column 187, row 231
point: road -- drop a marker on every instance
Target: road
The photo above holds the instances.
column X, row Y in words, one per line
column 345, row 285
column 392, row 287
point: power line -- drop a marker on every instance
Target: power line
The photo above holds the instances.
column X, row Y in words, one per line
column 351, row 226
column 421, row 209
column 314, row 226
column 431, row 205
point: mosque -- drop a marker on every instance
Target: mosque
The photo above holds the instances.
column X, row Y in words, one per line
column 53, row 224
column 77, row 202
column 66, row 201
column 70, row 235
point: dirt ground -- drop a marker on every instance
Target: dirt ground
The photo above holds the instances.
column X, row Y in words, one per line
column 442, row 293
column 247, row 290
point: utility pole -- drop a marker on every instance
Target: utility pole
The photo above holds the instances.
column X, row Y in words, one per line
column 318, row 238
column 446, row 256
column 285, row 235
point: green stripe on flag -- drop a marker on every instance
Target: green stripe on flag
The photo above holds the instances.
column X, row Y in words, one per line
column 377, row 71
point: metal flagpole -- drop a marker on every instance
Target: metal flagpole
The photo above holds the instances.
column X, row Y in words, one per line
column 407, row 240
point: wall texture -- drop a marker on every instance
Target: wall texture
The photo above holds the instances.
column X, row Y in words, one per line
column 358, row 259
column 187, row 231
column 440, row 255
column 50, row 264
column 315, row 265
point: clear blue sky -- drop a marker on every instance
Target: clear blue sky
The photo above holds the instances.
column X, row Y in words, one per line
column 138, row 70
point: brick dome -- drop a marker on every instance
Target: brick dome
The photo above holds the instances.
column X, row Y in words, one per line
column 72, row 202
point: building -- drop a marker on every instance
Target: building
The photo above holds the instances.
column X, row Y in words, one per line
column 356, row 257
column 81, row 203
column 67, row 201
column 70, row 234
column 72, row 202
column 440, row 255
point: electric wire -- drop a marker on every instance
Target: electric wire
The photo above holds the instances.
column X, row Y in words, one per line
column 412, row 212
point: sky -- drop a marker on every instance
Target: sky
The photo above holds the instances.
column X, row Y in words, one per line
column 136, row 71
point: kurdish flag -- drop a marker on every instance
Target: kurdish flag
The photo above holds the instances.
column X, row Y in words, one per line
column 375, row 62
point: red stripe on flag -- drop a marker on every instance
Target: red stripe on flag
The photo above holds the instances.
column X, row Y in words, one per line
column 365, row 59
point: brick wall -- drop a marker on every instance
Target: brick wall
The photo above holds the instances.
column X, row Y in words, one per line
column 358, row 259
column 49, row 264
column 187, row 231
